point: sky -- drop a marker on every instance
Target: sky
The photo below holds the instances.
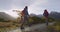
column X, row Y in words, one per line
column 34, row 6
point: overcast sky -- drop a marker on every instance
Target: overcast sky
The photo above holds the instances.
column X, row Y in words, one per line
column 34, row 6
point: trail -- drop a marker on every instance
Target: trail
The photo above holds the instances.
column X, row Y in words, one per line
column 40, row 27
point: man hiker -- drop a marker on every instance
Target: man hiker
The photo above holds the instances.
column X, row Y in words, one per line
column 46, row 14
column 24, row 16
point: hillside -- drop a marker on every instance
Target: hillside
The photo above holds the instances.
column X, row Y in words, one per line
column 55, row 15
column 6, row 16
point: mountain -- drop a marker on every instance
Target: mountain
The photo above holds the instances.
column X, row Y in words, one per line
column 5, row 16
column 55, row 15
column 40, row 15
column 31, row 15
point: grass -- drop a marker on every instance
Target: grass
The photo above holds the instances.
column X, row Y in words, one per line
column 6, row 26
column 55, row 27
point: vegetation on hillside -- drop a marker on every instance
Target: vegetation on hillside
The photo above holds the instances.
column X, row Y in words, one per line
column 6, row 25
column 12, row 24
column 36, row 20
column 55, row 27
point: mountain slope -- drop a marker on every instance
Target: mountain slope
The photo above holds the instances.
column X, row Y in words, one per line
column 6, row 16
column 55, row 15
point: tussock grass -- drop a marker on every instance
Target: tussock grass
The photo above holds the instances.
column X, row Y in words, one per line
column 6, row 26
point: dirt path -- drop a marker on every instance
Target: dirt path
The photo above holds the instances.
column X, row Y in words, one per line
column 34, row 28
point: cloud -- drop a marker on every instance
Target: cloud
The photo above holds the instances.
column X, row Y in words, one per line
column 22, row 3
column 13, row 14
column 5, row 4
column 36, row 7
